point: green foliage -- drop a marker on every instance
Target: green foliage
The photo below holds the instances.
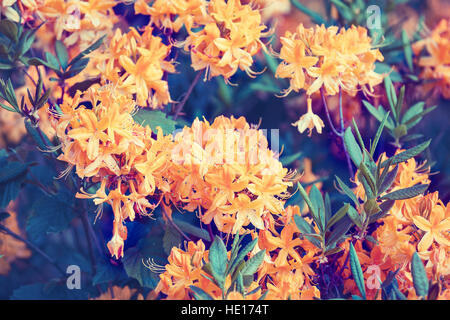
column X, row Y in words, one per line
column 419, row 275
column 400, row 122
column 357, row 273
column 51, row 214
column 154, row 119
column 219, row 267
column 61, row 65
column 12, row 176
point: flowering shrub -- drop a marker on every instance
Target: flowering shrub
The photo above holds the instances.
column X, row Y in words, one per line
column 117, row 160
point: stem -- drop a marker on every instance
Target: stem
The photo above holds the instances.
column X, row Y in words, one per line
column 330, row 122
column 175, row 226
column 180, row 105
column 33, row 247
column 342, row 128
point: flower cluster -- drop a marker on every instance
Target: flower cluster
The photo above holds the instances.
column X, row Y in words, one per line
column 77, row 24
column 136, row 64
column 286, row 271
column 436, row 65
column 418, row 224
column 228, row 39
column 329, row 58
column 106, row 145
column 225, row 168
column 172, row 15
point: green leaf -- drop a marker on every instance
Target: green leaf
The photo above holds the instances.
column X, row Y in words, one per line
column 354, row 216
column 379, row 114
column 368, row 177
column 12, row 175
column 242, row 254
column 412, row 111
column 62, row 54
column 419, row 275
column 407, row 50
column 87, row 51
column 52, row 61
column 218, row 260
column 352, row 147
column 252, row 265
column 392, row 96
column 316, row 17
column 339, row 231
column 347, row 191
column 378, row 134
column 345, row 11
column 289, row 159
column 172, row 238
column 338, row 216
column 147, row 248
column 309, row 203
column 9, row 29
column 51, row 214
column 200, row 294
column 306, row 229
column 388, row 180
column 319, row 205
column 406, row 193
column 193, row 230
column 357, row 273
column 416, row 118
column 154, row 119
column 407, row 154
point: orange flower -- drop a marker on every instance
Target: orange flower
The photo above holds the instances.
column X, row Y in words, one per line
column 436, row 228
column 117, row 293
column 436, row 65
column 309, row 121
column 323, row 57
column 230, row 37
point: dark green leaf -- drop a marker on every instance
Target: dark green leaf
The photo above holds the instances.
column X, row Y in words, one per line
column 352, row 147
column 218, row 260
column 62, row 54
column 154, row 119
column 252, row 265
column 408, row 154
column 200, row 294
column 357, row 273
column 406, row 193
column 9, row 29
column 420, row 279
column 51, row 214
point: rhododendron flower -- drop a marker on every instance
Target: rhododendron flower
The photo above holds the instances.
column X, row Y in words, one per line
column 309, row 121
column 229, row 39
column 436, row 65
column 329, row 58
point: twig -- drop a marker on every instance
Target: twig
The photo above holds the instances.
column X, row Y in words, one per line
column 330, row 122
column 180, row 105
column 175, row 226
column 340, row 133
column 33, row 247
